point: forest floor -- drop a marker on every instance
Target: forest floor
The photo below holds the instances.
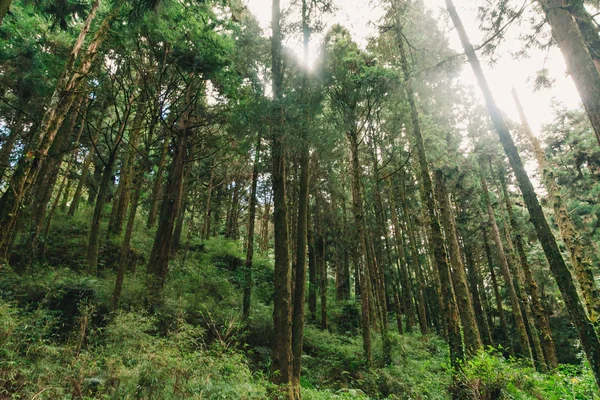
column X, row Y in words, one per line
column 59, row 337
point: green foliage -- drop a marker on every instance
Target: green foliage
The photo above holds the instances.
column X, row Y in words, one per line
column 489, row 376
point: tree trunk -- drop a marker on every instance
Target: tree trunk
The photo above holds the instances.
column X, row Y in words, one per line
column 421, row 303
column 497, row 296
column 301, row 231
column 313, row 283
column 84, row 171
column 103, row 193
column 250, row 234
column 480, row 311
column 158, row 262
column 409, row 308
column 121, row 200
column 138, row 180
column 578, row 247
column 542, row 337
column 436, row 240
column 4, row 7
column 16, row 128
column 157, row 185
column 588, row 28
column 587, row 334
column 463, row 296
column 282, row 363
column 508, row 279
column 580, row 64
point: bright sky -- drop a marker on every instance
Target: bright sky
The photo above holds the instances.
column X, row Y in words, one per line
column 359, row 17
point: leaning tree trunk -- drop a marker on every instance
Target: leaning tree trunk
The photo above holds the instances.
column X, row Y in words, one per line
column 121, row 202
column 496, row 289
column 580, row 64
column 546, row 343
column 412, row 237
column 579, row 249
column 588, row 28
column 480, row 311
column 158, row 262
column 508, row 279
column 79, row 189
column 564, row 279
column 465, row 304
column 406, row 300
column 62, row 99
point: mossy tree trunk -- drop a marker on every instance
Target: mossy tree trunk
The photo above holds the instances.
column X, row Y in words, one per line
column 436, row 240
column 472, row 337
column 580, row 64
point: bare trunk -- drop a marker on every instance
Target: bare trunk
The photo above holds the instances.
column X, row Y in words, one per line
column 360, row 249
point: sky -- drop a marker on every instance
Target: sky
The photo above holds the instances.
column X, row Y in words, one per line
column 360, row 16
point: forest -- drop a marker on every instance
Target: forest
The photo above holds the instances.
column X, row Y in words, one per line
column 196, row 204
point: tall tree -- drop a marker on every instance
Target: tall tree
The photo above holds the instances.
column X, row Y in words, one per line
column 281, row 365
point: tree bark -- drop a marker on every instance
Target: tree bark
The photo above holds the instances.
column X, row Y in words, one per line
column 472, row 337
column 4, row 7
column 580, row 64
column 495, row 287
column 282, row 363
column 409, row 309
column 103, row 193
column 301, row 232
column 157, row 185
column 161, row 249
column 250, row 235
column 546, row 351
column 480, row 311
column 79, row 189
column 578, row 247
column 138, row 180
column 506, row 273
column 121, row 200
column 436, row 239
